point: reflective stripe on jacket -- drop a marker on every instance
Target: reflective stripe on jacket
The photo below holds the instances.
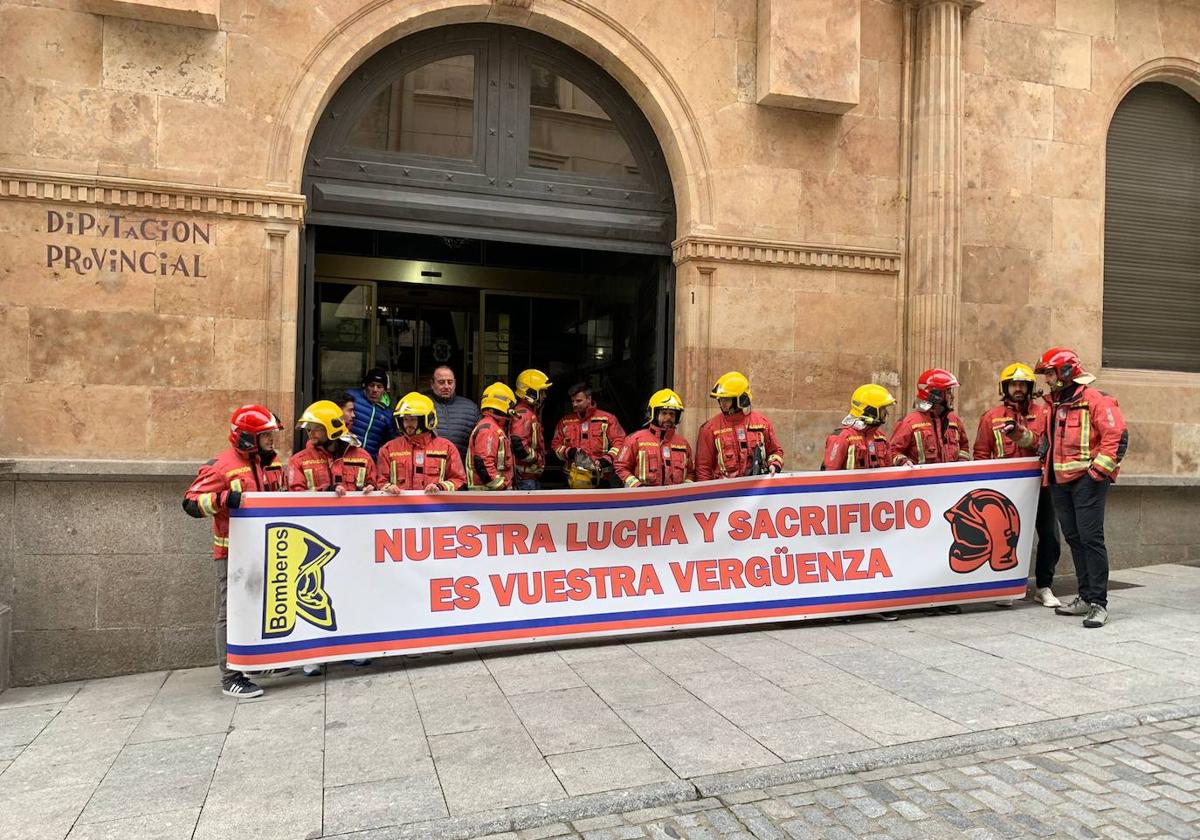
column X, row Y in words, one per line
column 725, row 445
column 1086, row 432
column 597, row 433
column 850, row 449
column 928, row 438
column 650, row 457
column 231, row 470
column 414, row 462
column 313, row 468
column 991, row 442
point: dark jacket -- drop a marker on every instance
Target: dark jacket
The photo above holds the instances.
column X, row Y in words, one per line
column 373, row 424
column 457, row 416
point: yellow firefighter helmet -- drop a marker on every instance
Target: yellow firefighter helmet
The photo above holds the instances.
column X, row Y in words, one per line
column 498, row 397
column 665, row 398
column 734, row 386
column 868, row 402
column 1016, row 372
column 413, row 404
column 327, row 415
column 531, row 383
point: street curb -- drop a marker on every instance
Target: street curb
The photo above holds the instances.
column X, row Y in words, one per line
column 670, row 793
column 531, row 816
column 936, row 748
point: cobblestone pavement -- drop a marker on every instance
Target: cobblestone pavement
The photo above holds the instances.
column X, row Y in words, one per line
column 1137, row 782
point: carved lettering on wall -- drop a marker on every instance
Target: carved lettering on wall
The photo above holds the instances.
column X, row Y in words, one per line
column 126, row 244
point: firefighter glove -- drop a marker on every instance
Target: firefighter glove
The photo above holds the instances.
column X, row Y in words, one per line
column 233, row 499
column 518, row 447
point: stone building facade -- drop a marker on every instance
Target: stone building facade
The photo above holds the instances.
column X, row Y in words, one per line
column 859, row 189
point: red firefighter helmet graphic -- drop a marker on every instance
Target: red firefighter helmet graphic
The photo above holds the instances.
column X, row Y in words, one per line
column 986, row 526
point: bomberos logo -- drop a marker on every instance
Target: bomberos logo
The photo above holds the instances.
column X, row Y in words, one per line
column 295, row 580
column 986, row 527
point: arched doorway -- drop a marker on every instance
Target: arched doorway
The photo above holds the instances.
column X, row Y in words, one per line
column 483, row 196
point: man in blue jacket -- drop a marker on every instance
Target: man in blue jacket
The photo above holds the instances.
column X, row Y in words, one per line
column 372, row 423
column 456, row 414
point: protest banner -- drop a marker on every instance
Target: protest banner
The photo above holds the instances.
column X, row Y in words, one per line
column 314, row 578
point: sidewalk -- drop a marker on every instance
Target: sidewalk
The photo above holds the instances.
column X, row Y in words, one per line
column 462, row 744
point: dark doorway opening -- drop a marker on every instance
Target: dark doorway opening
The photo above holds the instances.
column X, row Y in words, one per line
column 410, row 303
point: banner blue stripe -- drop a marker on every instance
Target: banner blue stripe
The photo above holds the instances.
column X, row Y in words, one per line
column 635, row 500
column 558, row 621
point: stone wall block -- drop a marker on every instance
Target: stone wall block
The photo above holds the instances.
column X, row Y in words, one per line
column 61, row 45
column 1020, row 330
column 1029, row 12
column 1007, row 220
column 1009, row 107
column 88, row 124
column 868, row 146
column 1077, row 225
column 8, row 523
column 234, row 266
column 48, row 419
column 808, row 54
column 882, row 30
column 1075, row 327
column 1180, row 27
column 1080, row 117
column 996, row 275
column 195, row 423
column 154, row 58
column 81, row 518
column 1044, row 56
column 1068, row 170
column 1090, row 17
column 160, row 590
column 47, row 656
column 1186, row 447
column 997, row 162
column 55, row 591
column 1151, row 451
column 14, row 343
column 115, row 348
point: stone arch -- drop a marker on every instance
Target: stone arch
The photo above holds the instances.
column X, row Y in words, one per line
column 592, row 32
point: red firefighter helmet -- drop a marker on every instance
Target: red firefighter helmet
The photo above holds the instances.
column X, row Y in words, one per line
column 247, row 423
column 986, row 527
column 933, row 385
column 1062, row 367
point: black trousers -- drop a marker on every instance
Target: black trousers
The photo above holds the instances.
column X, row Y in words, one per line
column 1080, row 509
column 1048, row 548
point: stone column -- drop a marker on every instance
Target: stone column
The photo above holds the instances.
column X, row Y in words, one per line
column 933, row 262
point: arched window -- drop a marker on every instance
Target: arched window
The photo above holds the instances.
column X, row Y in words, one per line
column 1152, row 232
column 490, row 132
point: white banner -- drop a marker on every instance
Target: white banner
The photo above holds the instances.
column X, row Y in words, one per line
column 316, row 578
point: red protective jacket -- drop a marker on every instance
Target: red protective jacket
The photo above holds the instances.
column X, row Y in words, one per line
column 598, row 434
column 850, row 449
column 527, row 425
column 651, row 457
column 312, row 468
column 725, row 445
column 489, row 456
column 990, row 441
column 1086, row 432
column 413, row 463
column 230, row 471
column 927, row 438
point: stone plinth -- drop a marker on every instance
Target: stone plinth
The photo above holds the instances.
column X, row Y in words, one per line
column 808, row 54
column 201, row 14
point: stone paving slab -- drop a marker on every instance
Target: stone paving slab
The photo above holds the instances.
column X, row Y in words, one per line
column 443, row 745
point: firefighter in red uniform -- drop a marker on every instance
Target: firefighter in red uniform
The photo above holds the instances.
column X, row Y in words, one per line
column 657, row 455
column 738, row 441
column 1012, row 430
column 250, row 464
column 417, row 459
column 860, row 443
column 1084, row 443
column 587, row 440
column 489, row 451
column 527, row 435
column 931, row 433
column 332, row 459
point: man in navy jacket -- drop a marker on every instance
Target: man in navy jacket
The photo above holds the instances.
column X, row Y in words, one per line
column 456, row 414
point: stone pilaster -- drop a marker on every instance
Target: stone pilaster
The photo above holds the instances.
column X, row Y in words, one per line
column 933, row 263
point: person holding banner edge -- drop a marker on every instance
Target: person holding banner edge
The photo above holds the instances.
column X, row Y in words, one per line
column 250, row 463
column 657, row 455
column 489, row 451
column 332, row 459
column 418, row 459
column 1085, row 442
column 738, row 441
column 1012, row 430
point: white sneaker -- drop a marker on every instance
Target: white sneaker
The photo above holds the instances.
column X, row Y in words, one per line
column 1046, row 597
column 314, row 670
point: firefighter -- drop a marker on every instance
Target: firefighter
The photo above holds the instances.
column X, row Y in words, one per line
column 527, row 435
column 417, row 459
column 860, row 444
column 1012, row 430
column 931, row 433
column 332, row 459
column 251, row 463
column 587, row 440
column 738, row 441
column 489, row 451
column 1084, row 442
column 657, row 455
